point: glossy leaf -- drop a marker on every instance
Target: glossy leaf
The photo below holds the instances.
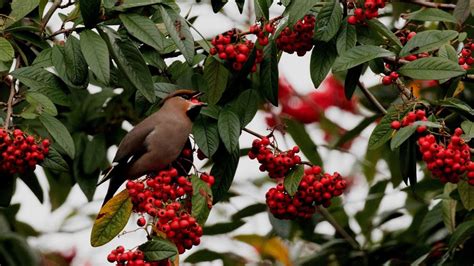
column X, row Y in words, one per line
column 269, row 74
column 447, row 51
column 401, row 136
column 426, row 41
column 6, row 190
column 462, row 11
column 432, row 68
column 59, row 133
column 466, row 192
column 322, row 59
column 250, row 210
column 112, row 218
column 206, row 135
column 304, row 141
column 229, row 129
column 216, row 75
column 90, row 11
column 201, row 200
column 359, row 55
column 383, row 131
column 96, row 55
column 293, row 179
column 352, row 81
column 144, row 30
column 408, row 161
column 158, row 249
column 217, row 5
column 347, row 37
column 431, row 14
column 328, row 21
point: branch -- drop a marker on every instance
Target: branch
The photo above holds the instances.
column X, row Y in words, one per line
column 63, row 31
column 251, row 132
column 430, row 4
column 49, row 14
column 330, row 219
column 372, row 98
column 11, row 97
column 404, row 90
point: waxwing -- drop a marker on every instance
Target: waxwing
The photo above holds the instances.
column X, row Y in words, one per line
column 154, row 143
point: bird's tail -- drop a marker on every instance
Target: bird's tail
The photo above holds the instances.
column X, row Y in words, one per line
column 116, row 177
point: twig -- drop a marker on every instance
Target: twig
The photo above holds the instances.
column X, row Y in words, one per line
column 69, row 3
column 404, row 90
column 251, row 132
column 10, row 98
column 330, row 219
column 372, row 98
column 49, row 14
column 63, row 31
column 430, row 4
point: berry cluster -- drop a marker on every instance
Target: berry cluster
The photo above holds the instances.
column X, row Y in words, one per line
column 314, row 189
column 20, row 152
column 449, row 162
column 389, row 79
column 465, row 57
column 232, row 47
column 298, row 39
column 277, row 164
column 369, row 11
column 132, row 258
column 409, row 119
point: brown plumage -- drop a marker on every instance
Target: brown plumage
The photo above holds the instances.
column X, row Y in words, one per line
column 156, row 142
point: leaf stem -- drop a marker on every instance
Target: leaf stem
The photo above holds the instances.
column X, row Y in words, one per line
column 251, row 132
column 330, row 219
column 430, row 4
column 372, row 98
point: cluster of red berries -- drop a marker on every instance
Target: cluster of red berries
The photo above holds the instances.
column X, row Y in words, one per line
column 277, row 164
column 232, row 47
column 314, row 189
column 369, row 11
column 132, row 258
column 298, row 39
column 449, row 162
column 389, row 79
column 20, row 152
column 465, row 57
column 409, row 119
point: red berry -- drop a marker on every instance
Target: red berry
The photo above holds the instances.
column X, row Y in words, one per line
column 395, row 124
column 352, row 20
column 387, row 80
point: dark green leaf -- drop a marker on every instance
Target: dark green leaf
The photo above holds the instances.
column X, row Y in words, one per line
column 383, row 131
column 16, row 250
column 229, row 129
column 347, row 37
column 250, row 210
column 376, row 25
column 59, row 133
column 123, row 4
column 246, row 106
column 6, row 190
column 297, row 9
column 374, row 198
column 448, row 206
column 408, row 160
column 59, row 187
column 431, row 14
column 222, row 228
column 202, row 199
column 55, row 161
column 269, row 74
column 216, row 75
column 31, row 181
column 431, row 219
column 462, row 10
column 352, row 80
column 401, row 136
column 96, row 55
column 179, row 32
column 41, row 103
column 322, row 58
column 355, row 132
column 261, row 9
column 293, row 179
column 466, row 192
column 304, row 141
column 225, row 165
column 144, row 30
column 43, row 59
column 94, row 154
column 458, row 105
column 76, row 66
column 90, row 11
column 328, row 21
column 432, row 68
column 463, row 232
column 428, row 40
column 158, row 249
column 359, row 55
column 20, row 8
column 206, row 135
column 240, row 5
column 217, row 5
column 6, row 50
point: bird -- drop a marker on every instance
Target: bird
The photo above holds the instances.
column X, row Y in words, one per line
column 154, row 143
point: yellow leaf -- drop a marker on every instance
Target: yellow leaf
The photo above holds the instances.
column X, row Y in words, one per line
column 112, row 218
column 272, row 248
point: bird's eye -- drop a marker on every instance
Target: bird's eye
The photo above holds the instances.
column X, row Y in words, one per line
column 185, row 96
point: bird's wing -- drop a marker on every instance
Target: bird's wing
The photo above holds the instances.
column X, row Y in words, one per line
column 133, row 144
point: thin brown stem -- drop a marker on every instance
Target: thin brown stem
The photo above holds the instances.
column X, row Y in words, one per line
column 404, row 90
column 62, row 31
column 11, row 97
column 330, row 219
column 372, row 98
column 251, row 132
column 431, row 4
column 69, row 3
column 49, row 14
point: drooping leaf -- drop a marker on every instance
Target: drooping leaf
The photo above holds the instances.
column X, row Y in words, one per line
column 94, row 154
column 328, row 21
column 462, row 10
column 293, row 179
column 374, row 198
column 112, row 218
column 6, row 50
column 217, row 5
column 448, row 206
column 355, row 132
column 250, row 210
column 32, row 182
column 222, row 228
column 90, row 12
column 347, row 37
column 54, row 161
column 322, row 59
column 401, row 136
column 359, row 55
column 246, row 106
column 376, row 25
column 229, row 129
column 304, row 141
column 59, row 133
column 14, row 250
column 96, row 55
column 124, row 4
column 297, row 9
column 76, row 66
column 426, row 41
column 6, row 190
column 179, row 32
column 431, row 219
column 201, row 200
column 352, row 80
column 269, row 74
column 240, row 5
column 432, row 68
column 158, row 249
column 408, row 160
column 216, row 75
column 431, row 14
column 458, row 105
column 463, row 232
column 261, row 9
column 206, row 135
column 225, row 165
column 145, row 30
column 466, row 192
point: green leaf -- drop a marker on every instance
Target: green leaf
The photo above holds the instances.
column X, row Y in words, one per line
column 448, row 51
column 269, row 73
column 59, row 187
column 55, row 161
column 304, row 141
column 468, row 128
column 240, row 5
column 322, row 59
column 130, row 62
column 216, row 75
column 94, row 154
column 31, row 181
column 112, row 218
column 383, row 131
column 355, row 132
column 463, row 232
column 431, row 219
column 217, row 5
column 124, row 4
column 250, row 210
column 432, row 68
column 293, row 179
column 6, row 190
column 374, row 198
column 401, row 136
column 41, row 103
column 352, row 81
column 90, row 12
column 359, row 55
column 43, row 59
column 16, row 249
column 377, row 26
column 246, row 106
column 261, row 9
column 144, row 30
column 458, row 105
column 428, row 40
column 347, row 37
column 206, row 135
column 225, row 165
column 229, row 129
column 76, row 66
column 59, row 133
column 408, row 160
column 448, row 206
column 6, row 50
column 297, row 9
column 328, row 21
column 158, row 249
column 431, row 14
column 466, row 192
column 179, row 32
column 222, row 228
column 20, row 8
column 462, row 10
column 96, row 55
column 201, row 200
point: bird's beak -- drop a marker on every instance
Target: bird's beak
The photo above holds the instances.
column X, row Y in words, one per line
column 196, row 101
